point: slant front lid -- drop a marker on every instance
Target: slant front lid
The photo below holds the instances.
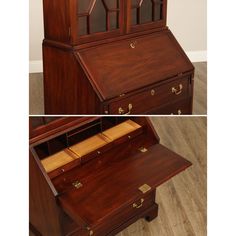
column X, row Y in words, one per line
column 120, row 183
column 124, row 66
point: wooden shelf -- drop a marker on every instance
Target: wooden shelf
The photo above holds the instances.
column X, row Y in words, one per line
column 57, row 160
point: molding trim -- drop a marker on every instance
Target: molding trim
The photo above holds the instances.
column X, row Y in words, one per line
column 194, row 56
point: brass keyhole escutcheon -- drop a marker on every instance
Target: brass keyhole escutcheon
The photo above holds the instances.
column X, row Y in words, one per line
column 153, row 92
column 133, row 44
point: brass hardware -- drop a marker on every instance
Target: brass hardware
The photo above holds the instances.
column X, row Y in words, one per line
column 122, row 95
column 90, row 231
column 98, row 152
column 179, row 112
column 152, row 92
column 177, row 91
column 133, row 44
column 144, row 188
column 129, row 137
column 122, row 112
column 143, row 149
column 106, row 112
column 62, row 170
column 77, row 184
column 135, row 205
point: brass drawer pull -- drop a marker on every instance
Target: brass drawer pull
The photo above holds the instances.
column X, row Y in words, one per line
column 133, row 44
column 137, row 206
column 122, row 112
column 90, row 231
column 177, row 91
column 179, row 112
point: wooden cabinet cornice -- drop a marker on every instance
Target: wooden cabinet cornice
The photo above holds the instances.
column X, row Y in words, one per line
column 95, row 175
column 113, row 57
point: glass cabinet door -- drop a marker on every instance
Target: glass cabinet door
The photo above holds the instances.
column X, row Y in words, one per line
column 98, row 18
column 147, row 14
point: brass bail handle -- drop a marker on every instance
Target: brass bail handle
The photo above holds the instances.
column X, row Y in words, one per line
column 177, row 91
column 122, row 112
column 137, row 206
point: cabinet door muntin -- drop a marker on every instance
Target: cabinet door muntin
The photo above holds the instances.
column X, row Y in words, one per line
column 146, row 11
column 97, row 16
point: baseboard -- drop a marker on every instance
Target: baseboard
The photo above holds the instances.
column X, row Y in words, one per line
column 194, row 56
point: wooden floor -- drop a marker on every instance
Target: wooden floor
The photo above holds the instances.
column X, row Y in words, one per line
column 183, row 199
column 36, row 106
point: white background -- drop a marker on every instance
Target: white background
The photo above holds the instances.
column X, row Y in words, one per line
column 14, row 118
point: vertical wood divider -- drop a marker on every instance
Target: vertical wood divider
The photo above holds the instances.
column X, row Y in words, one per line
column 73, row 20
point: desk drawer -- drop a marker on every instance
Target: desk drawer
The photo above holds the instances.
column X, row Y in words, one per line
column 126, row 213
column 183, row 107
column 152, row 98
column 119, row 218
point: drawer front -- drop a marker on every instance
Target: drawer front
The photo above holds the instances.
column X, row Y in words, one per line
column 152, row 98
column 125, row 214
column 120, row 218
column 183, row 107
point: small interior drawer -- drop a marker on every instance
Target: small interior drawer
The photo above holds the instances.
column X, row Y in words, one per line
column 88, row 148
column 154, row 97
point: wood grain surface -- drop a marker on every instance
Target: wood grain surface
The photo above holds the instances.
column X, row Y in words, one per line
column 36, row 106
column 182, row 200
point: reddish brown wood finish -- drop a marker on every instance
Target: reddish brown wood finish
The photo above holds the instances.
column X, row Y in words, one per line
column 66, row 88
column 104, row 204
column 120, row 182
column 56, row 20
column 86, row 74
column 44, row 213
column 155, row 57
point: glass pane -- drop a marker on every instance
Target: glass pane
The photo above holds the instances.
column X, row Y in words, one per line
column 134, row 16
column 146, row 11
column 158, row 12
column 98, row 18
column 112, row 4
column 83, row 5
column 114, row 20
column 82, row 25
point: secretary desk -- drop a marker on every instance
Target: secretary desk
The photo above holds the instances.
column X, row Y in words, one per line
column 95, row 175
column 113, row 57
